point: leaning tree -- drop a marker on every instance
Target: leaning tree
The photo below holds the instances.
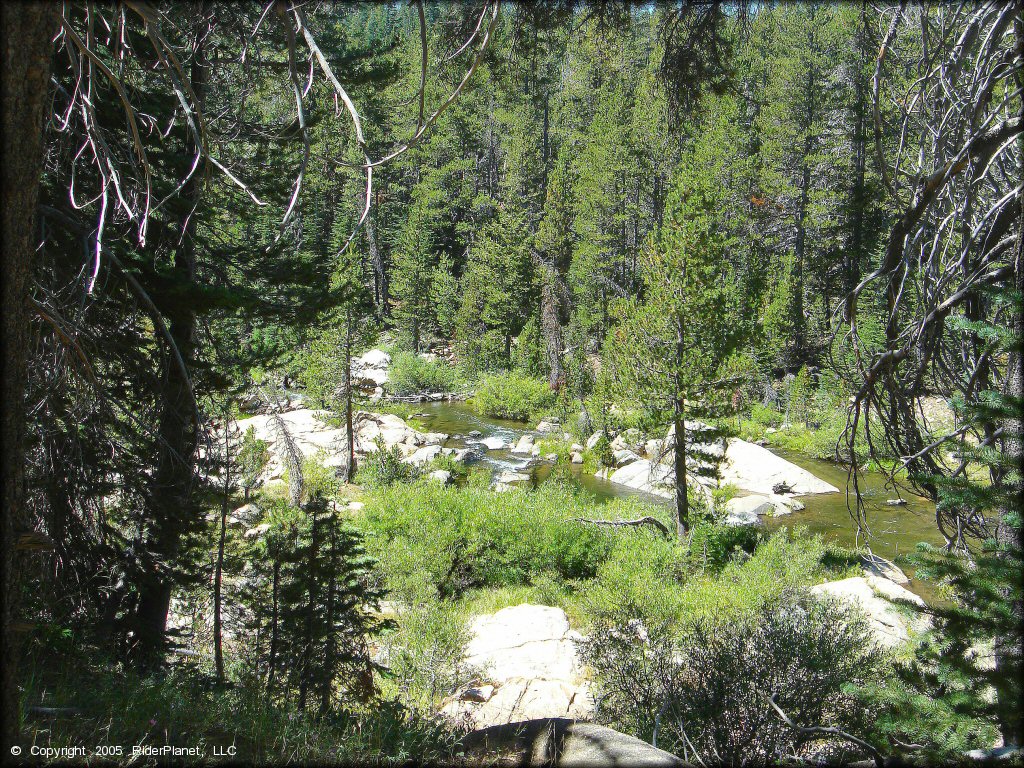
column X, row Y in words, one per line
column 947, row 90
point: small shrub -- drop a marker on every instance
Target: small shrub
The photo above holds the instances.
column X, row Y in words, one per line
column 512, row 396
column 765, row 415
column 602, row 451
column 711, row 546
column 704, row 685
column 409, row 374
column 383, row 466
column 425, row 653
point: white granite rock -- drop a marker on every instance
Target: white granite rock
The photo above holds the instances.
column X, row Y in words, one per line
column 528, row 654
column 424, row 455
column 525, row 444
column 753, row 468
column 877, row 598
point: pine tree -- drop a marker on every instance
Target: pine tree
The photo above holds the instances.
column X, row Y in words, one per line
column 414, row 263
column 498, row 291
column 310, row 598
column 668, row 352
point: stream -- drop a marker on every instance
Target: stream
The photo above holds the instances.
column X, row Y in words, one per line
column 895, row 530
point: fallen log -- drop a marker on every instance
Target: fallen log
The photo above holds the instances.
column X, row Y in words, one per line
column 635, row 523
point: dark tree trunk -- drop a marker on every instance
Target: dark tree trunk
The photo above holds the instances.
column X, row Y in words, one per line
column 27, row 28
column 350, row 463
column 218, row 574
column 679, row 445
column 380, row 273
column 172, row 507
column 679, row 464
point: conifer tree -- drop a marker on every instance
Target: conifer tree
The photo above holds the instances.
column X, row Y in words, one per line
column 668, row 352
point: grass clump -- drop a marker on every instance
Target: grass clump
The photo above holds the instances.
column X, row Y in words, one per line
column 512, row 395
column 183, row 707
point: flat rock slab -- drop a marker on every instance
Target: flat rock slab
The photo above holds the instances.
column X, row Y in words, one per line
column 755, row 469
column 564, row 742
column 528, row 654
column 642, row 475
column 878, row 599
column 886, row 569
column 749, row 467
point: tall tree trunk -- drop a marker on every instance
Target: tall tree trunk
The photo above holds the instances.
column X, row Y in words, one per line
column 27, row 28
column 172, row 509
column 350, row 463
column 380, row 273
column 679, row 443
column 218, row 573
column 679, row 464
column 275, row 601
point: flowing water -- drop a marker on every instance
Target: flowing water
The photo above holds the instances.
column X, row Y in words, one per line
column 894, row 530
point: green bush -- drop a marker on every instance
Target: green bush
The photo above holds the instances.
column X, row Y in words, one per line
column 668, row 583
column 512, row 396
column 383, row 466
column 449, row 540
column 409, row 374
column 425, row 653
column 703, row 686
column 765, row 415
column 711, row 546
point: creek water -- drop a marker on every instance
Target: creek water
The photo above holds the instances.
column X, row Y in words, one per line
column 893, row 530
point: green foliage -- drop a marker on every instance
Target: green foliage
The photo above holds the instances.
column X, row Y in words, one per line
column 798, row 401
column 415, row 261
column 602, row 451
column 410, row 374
column 311, row 598
column 711, row 546
column 447, row 540
column 527, row 352
column 703, row 685
column 512, row 395
column 383, row 466
column 251, row 459
column 956, row 693
column 497, row 292
column 425, row 653
column 690, row 586
column 181, row 708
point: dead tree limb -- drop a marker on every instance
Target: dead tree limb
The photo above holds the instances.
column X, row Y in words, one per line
column 820, row 731
column 634, row 523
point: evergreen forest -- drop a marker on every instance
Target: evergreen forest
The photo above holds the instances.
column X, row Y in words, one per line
column 513, row 383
